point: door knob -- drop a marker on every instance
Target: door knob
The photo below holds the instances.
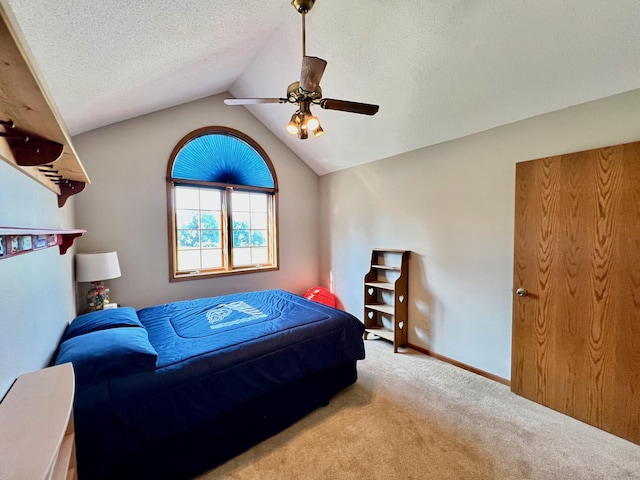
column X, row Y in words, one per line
column 521, row 292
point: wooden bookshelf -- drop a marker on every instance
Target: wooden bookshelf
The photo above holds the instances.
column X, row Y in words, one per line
column 386, row 289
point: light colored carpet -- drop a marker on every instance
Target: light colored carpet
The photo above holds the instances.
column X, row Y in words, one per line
column 410, row 416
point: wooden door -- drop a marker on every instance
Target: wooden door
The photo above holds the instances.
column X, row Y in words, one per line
column 576, row 333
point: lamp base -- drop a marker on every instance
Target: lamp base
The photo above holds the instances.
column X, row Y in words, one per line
column 96, row 297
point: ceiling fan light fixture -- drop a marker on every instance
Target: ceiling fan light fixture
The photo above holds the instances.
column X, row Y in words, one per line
column 318, row 132
column 311, row 121
column 294, row 124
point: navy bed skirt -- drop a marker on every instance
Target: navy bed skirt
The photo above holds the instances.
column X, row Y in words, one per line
column 213, row 443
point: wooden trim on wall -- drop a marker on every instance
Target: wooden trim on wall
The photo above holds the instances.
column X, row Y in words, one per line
column 464, row 366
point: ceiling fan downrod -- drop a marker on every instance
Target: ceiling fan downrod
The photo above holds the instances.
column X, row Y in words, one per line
column 303, row 6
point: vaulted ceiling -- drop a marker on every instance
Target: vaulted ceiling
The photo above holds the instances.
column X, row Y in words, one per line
column 439, row 69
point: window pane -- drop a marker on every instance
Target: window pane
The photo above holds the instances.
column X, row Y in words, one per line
column 260, row 256
column 210, row 199
column 212, row 258
column 258, row 238
column 188, row 260
column 210, row 238
column 187, row 219
column 258, row 221
column 258, row 202
column 187, row 197
column 241, row 238
column 250, row 222
column 241, row 201
column 241, row 220
column 210, row 219
column 241, row 256
column 188, row 239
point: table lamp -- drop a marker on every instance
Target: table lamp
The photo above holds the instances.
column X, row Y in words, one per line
column 95, row 268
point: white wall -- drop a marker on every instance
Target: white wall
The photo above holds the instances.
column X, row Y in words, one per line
column 36, row 289
column 453, row 205
column 125, row 207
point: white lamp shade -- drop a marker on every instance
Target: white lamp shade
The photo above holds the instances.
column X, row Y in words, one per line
column 95, row 267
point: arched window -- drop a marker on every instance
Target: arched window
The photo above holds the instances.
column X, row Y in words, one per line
column 222, row 205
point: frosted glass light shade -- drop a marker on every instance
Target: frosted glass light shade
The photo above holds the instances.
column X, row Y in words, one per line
column 95, row 267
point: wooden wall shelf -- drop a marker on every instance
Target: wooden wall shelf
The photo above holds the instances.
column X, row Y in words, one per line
column 17, row 241
column 26, row 108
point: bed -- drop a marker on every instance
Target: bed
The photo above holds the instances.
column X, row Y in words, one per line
column 173, row 390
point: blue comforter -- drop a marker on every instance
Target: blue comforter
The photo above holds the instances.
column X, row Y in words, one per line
column 213, row 355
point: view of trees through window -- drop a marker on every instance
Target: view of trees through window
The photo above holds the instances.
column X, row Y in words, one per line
column 200, row 234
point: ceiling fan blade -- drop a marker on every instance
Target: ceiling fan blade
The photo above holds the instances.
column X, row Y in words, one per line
column 312, row 70
column 345, row 106
column 253, row 101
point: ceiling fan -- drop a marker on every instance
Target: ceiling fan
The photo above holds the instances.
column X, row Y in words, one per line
column 307, row 91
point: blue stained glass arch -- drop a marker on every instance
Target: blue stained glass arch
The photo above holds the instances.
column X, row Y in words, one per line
column 224, row 158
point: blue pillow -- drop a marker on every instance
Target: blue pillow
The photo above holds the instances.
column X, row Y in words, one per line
column 115, row 352
column 102, row 320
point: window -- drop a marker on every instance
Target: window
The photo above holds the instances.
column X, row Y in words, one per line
column 222, row 201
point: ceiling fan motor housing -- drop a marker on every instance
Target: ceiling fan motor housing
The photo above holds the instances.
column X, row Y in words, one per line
column 295, row 93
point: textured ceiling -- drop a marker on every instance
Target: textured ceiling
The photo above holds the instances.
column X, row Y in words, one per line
column 439, row 69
